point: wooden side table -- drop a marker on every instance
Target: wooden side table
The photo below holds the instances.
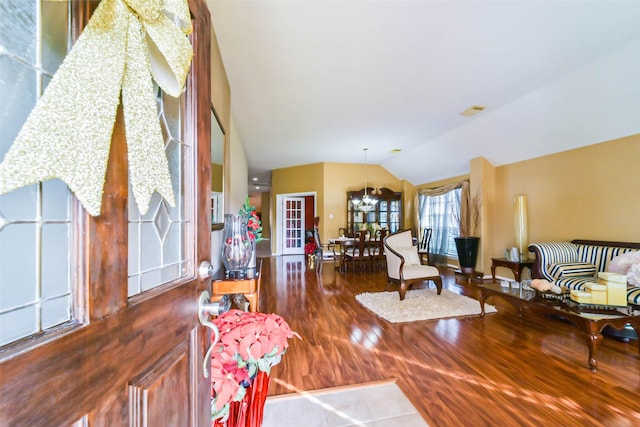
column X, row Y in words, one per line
column 249, row 287
column 515, row 266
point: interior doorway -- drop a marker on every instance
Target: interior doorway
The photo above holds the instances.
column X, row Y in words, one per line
column 294, row 216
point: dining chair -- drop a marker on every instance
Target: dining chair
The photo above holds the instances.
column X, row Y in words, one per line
column 378, row 257
column 325, row 250
column 423, row 245
column 359, row 252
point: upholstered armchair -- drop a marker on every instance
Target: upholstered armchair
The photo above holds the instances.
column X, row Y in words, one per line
column 403, row 263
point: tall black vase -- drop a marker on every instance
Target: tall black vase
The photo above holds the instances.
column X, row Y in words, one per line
column 467, row 248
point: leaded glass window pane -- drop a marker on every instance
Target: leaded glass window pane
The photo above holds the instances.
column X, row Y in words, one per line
column 158, row 248
column 35, row 221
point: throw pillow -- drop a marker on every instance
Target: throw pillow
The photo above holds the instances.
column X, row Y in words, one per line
column 410, row 255
column 572, row 269
column 627, row 264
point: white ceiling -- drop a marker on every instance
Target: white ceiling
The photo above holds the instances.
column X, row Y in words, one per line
column 316, row 81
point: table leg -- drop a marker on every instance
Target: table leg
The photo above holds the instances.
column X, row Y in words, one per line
column 481, row 300
column 517, row 272
column 635, row 324
column 493, row 273
column 253, row 301
column 593, row 339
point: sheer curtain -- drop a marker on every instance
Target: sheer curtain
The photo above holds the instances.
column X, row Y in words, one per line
column 442, row 209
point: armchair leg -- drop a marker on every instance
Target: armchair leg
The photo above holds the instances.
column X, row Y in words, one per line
column 403, row 290
column 438, row 283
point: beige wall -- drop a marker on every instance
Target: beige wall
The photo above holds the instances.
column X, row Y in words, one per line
column 220, row 100
column 220, row 92
column 331, row 182
column 217, row 177
column 235, row 162
column 292, row 180
column 590, row 193
column 343, row 177
column 265, row 208
column 236, row 173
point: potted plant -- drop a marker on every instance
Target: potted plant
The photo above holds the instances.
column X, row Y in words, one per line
column 466, row 243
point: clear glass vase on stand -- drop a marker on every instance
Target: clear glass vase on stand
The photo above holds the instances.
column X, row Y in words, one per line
column 236, row 245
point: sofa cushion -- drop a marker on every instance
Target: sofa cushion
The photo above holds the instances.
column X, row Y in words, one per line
column 410, row 254
column 415, row 271
column 572, row 269
column 577, row 283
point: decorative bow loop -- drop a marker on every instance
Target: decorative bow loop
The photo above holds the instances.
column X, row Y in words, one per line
column 68, row 133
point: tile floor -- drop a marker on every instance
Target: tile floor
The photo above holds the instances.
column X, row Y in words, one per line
column 373, row 405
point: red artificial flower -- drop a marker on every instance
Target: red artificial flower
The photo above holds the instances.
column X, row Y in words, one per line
column 254, row 226
column 226, row 378
column 310, row 248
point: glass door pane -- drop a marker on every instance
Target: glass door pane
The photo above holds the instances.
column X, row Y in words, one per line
column 159, row 249
column 35, row 221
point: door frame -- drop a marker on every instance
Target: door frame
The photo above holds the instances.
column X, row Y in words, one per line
column 280, row 198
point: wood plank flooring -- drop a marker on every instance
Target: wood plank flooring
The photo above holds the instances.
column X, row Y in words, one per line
column 498, row 371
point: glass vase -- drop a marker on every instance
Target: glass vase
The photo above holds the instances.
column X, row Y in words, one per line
column 251, row 265
column 311, row 261
column 236, row 245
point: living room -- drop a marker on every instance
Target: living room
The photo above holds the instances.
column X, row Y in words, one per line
column 573, row 138
column 580, row 191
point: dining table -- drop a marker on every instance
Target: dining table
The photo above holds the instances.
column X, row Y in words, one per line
column 344, row 244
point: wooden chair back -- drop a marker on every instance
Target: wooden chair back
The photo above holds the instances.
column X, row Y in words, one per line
column 424, row 244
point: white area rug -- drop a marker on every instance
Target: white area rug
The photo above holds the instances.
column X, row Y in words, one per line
column 420, row 304
column 370, row 405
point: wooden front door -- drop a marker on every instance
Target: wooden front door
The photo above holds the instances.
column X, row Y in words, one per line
column 132, row 351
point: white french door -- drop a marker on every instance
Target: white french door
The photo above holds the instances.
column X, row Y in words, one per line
column 293, row 226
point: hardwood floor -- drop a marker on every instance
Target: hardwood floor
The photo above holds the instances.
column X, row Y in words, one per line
column 500, row 370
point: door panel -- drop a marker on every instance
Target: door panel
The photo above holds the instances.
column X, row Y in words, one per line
column 124, row 361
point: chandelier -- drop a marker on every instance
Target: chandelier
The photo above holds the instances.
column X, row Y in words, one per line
column 367, row 203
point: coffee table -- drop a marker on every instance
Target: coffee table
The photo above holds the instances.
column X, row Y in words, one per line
column 590, row 320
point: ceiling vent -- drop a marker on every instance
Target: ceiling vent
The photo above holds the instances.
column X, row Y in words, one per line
column 474, row 109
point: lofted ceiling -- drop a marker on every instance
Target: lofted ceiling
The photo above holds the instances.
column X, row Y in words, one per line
column 316, row 81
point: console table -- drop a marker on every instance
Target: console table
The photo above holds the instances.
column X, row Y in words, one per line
column 515, row 266
column 248, row 286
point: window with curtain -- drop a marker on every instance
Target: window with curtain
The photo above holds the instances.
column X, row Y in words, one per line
column 441, row 213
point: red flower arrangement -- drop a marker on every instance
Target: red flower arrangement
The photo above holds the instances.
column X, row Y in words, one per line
column 310, row 248
column 249, row 345
column 254, row 225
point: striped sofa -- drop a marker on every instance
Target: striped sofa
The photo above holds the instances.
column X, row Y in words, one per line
column 574, row 264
